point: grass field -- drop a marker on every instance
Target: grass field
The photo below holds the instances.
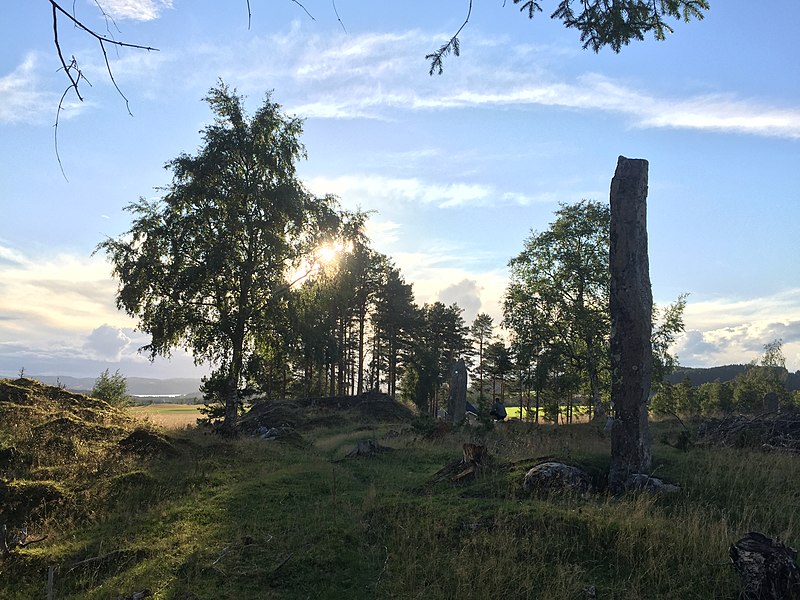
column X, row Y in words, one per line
column 169, row 416
column 579, row 415
column 201, row 517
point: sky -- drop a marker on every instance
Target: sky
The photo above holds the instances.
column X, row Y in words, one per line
column 458, row 169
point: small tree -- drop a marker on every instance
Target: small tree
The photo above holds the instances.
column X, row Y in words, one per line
column 112, row 388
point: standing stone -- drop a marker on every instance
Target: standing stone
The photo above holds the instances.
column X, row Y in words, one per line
column 457, row 401
column 631, row 324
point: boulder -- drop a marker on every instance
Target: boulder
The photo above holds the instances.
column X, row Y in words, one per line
column 768, row 568
column 640, row 481
column 557, row 477
column 367, row 448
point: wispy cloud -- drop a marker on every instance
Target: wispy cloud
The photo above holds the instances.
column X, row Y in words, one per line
column 373, row 75
column 374, row 192
column 24, row 101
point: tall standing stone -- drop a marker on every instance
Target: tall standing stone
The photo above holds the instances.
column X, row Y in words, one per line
column 457, row 400
column 631, row 324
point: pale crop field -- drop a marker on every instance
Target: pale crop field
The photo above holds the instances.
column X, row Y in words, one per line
column 170, row 416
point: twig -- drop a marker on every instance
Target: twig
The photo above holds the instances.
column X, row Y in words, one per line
column 101, row 39
column 73, row 71
column 222, row 554
column 85, row 561
column 51, row 573
column 283, row 562
column 338, row 18
column 300, row 4
column 674, row 414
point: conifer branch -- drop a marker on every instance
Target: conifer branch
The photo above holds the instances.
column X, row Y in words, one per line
column 453, row 45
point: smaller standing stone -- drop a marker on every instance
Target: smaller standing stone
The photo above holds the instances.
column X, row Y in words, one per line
column 457, row 400
column 771, row 402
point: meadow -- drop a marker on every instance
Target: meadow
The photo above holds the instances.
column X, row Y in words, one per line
column 195, row 516
column 167, row 415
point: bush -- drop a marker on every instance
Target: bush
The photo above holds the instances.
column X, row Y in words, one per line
column 112, row 388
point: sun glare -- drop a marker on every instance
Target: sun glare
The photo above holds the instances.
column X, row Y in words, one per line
column 327, row 253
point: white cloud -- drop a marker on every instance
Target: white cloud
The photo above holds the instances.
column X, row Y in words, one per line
column 467, row 294
column 64, row 292
column 442, row 273
column 107, row 343
column 57, row 316
column 382, row 232
column 722, row 331
column 135, row 10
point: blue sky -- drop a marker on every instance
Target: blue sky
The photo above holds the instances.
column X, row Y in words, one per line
column 459, row 168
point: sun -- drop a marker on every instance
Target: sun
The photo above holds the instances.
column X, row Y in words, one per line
column 327, row 253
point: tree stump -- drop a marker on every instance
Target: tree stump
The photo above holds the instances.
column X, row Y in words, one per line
column 474, row 458
column 474, row 454
column 768, row 568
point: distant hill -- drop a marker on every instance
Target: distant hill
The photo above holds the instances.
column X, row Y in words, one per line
column 698, row 376
column 137, row 386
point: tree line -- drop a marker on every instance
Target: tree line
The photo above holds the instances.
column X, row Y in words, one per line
column 762, row 386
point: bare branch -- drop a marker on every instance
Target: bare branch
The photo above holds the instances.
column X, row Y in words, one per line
column 101, row 39
column 73, row 71
column 67, row 69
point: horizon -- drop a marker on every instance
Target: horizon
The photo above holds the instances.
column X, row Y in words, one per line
column 459, row 168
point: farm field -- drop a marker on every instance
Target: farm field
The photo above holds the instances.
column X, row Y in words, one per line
column 169, row 416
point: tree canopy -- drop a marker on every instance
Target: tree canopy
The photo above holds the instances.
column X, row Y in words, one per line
column 557, row 309
column 558, row 291
column 206, row 265
column 600, row 22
